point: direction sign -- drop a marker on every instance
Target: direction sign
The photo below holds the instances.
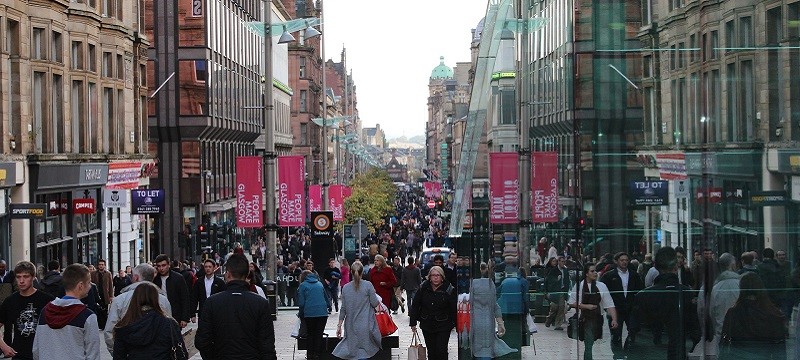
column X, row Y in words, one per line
column 431, row 204
column 682, row 189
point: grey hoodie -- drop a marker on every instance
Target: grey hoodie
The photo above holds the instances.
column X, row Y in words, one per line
column 68, row 330
column 119, row 307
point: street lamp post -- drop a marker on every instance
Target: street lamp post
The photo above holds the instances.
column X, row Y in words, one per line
column 269, row 123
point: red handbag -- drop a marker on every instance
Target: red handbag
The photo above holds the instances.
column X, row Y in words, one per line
column 385, row 323
column 463, row 317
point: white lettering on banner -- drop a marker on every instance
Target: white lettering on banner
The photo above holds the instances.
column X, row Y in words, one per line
column 338, row 209
column 84, row 205
column 92, row 174
column 291, row 209
column 545, row 206
column 248, row 210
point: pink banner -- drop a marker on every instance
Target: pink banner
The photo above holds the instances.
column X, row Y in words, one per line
column 504, row 188
column 544, row 187
column 336, row 199
column 433, row 190
column 315, row 198
column 291, row 197
column 248, row 192
column 347, row 192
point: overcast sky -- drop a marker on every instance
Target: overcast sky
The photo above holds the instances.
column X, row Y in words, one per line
column 392, row 46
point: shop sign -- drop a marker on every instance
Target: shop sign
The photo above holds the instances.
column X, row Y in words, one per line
column 123, row 175
column 115, row 198
column 28, row 211
column 713, row 194
column 67, row 176
column 147, row 201
column 768, row 198
column 58, row 207
column 84, row 206
column 8, row 174
column 649, row 193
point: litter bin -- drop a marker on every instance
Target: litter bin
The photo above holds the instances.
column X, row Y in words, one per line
column 270, row 289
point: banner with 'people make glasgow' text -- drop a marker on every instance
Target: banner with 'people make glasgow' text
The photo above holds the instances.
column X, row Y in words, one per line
column 544, row 187
column 336, row 199
column 291, row 191
column 248, row 192
column 315, row 198
column 504, row 188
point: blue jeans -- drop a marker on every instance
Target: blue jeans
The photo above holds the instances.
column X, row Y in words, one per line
column 409, row 296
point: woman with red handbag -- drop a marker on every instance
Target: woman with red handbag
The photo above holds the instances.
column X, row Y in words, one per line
column 434, row 307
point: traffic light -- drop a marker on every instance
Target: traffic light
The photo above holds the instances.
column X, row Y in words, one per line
column 579, row 226
column 202, row 235
column 440, row 205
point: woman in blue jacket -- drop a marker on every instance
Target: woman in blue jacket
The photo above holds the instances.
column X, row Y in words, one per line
column 314, row 304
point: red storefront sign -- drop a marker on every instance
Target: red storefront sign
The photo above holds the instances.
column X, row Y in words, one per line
column 84, row 206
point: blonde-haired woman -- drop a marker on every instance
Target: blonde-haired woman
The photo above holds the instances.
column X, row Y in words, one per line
column 362, row 338
column 383, row 279
column 434, row 307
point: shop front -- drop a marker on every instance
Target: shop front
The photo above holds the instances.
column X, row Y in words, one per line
column 72, row 231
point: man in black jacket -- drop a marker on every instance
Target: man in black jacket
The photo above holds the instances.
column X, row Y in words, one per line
column 205, row 287
column 175, row 287
column 623, row 285
column 669, row 303
column 52, row 281
column 236, row 324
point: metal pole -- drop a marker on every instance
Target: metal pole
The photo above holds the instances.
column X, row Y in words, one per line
column 325, row 194
column 524, row 138
column 269, row 145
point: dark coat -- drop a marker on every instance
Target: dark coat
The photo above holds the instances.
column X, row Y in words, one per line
column 434, row 310
column 149, row 338
column 660, row 304
column 199, row 293
column 614, row 284
column 52, row 284
column 178, row 295
column 236, row 324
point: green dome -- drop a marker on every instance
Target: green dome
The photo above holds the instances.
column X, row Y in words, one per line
column 442, row 71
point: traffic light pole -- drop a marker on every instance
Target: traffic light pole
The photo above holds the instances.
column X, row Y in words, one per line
column 269, row 147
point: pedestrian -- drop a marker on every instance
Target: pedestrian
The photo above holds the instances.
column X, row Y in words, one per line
column 293, row 283
column 331, row 277
column 121, row 281
column 142, row 273
column 21, row 311
column 313, row 303
column 588, row 301
column 362, row 338
column 51, row 281
column 410, row 279
column 754, row 327
column 145, row 331
column 623, row 285
column 382, row 278
column 668, row 304
column 67, row 329
column 345, row 271
column 105, row 287
column 485, row 316
column 723, row 296
column 174, row 285
column 235, row 323
column 203, row 289
column 557, row 285
column 434, row 307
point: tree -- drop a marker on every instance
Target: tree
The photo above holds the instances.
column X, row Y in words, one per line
column 372, row 198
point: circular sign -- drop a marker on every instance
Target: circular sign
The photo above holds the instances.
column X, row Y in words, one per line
column 431, row 204
column 321, row 222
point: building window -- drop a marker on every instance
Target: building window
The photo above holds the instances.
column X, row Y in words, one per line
column 120, row 68
column 746, row 32
column 730, row 36
column 107, row 11
column 38, row 51
column 57, row 47
column 300, row 8
column 647, row 62
column 39, row 111
column 732, row 91
column 56, row 137
column 108, row 64
column 92, row 58
column 78, row 108
column 714, row 44
column 302, row 67
column 77, row 55
column 108, row 121
column 508, row 109
column 143, row 75
column 12, row 37
column 200, row 71
column 793, row 13
column 747, row 114
column 120, row 122
column 118, row 5
column 681, row 54
column 91, row 123
column 303, row 100
column 693, row 48
column 647, row 12
column 304, row 134
column 673, row 55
